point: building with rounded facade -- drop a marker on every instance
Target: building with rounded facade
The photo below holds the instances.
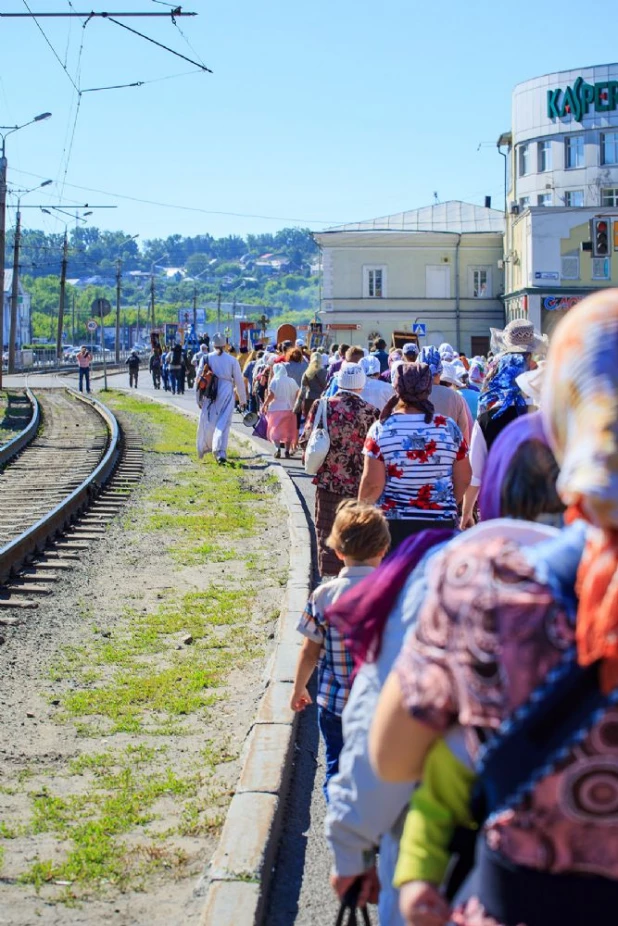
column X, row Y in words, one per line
column 562, row 181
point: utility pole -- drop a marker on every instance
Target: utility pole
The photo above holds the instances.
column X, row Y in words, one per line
column 14, row 293
column 118, row 278
column 63, row 284
column 73, row 321
column 3, row 163
column 137, row 325
column 195, row 309
column 219, row 312
column 152, row 301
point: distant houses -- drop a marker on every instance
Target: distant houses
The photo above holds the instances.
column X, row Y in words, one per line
column 22, row 334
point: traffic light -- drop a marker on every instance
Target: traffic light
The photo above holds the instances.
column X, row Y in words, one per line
column 600, row 237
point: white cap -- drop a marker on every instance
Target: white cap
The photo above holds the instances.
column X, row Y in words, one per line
column 300, row 342
column 351, row 376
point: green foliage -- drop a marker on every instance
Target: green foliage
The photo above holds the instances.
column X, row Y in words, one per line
column 213, row 265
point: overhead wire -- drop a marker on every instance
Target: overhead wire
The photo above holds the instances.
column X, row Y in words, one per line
column 116, row 22
column 54, row 52
column 182, row 208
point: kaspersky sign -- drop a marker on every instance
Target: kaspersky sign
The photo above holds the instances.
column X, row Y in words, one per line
column 581, row 97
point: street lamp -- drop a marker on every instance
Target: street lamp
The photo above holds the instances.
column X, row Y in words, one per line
column 5, row 131
column 152, row 290
column 15, row 279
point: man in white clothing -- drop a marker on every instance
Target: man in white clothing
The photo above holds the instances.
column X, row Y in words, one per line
column 216, row 416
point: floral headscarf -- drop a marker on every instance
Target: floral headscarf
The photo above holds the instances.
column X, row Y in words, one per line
column 580, row 409
column 500, row 389
column 431, row 356
column 412, row 383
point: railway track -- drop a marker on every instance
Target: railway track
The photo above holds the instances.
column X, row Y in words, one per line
column 64, row 477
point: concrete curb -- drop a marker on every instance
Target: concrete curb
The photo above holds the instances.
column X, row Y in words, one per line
column 236, row 881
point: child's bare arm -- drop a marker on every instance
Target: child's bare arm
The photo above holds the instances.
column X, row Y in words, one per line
column 307, row 661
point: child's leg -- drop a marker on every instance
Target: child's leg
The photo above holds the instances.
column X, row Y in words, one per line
column 332, row 733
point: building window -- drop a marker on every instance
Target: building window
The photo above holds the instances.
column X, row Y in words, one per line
column 524, row 202
column 544, row 155
column 480, row 282
column 574, row 198
column 569, row 268
column 609, row 147
column 544, row 199
column 437, row 281
column 609, row 197
column 523, row 160
column 574, row 151
column 600, row 268
column 374, row 282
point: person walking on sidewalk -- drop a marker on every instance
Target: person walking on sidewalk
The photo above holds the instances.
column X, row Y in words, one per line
column 133, row 364
column 84, row 359
column 216, row 416
column 359, row 539
column 155, row 369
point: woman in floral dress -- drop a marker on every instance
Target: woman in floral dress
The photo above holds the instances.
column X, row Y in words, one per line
column 348, row 418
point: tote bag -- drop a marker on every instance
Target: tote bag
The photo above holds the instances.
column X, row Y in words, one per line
column 318, row 444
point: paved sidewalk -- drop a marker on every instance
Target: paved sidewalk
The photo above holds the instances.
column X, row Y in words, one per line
column 300, row 893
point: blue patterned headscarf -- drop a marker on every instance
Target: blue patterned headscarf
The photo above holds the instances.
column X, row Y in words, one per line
column 431, row 356
column 500, row 390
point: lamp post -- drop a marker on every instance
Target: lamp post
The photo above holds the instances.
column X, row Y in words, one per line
column 15, row 279
column 5, row 131
column 152, row 291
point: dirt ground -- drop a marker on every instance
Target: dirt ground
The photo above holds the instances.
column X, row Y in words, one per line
column 125, row 698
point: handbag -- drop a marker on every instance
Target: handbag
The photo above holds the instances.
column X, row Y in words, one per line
column 261, row 428
column 349, row 904
column 318, row 444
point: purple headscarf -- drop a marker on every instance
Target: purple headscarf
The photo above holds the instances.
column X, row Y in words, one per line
column 525, row 428
column 412, row 383
column 360, row 615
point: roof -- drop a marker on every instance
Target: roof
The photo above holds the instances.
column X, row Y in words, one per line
column 452, row 216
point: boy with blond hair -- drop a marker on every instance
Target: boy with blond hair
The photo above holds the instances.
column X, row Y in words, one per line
column 360, row 539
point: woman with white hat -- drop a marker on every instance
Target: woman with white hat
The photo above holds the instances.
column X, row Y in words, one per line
column 502, row 399
column 216, row 416
column 348, row 419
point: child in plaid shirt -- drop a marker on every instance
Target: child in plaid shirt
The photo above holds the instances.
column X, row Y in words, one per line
column 360, row 538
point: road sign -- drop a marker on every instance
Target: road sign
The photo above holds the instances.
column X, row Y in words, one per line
column 91, row 325
column 101, row 307
column 419, row 328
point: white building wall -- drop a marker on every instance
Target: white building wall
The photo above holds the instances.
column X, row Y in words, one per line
column 532, row 124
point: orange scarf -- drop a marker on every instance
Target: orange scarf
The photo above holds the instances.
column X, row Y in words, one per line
column 597, row 614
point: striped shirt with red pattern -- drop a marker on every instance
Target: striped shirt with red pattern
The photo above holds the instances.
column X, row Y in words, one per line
column 418, row 458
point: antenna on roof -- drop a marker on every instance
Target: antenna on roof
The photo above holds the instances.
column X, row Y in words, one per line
column 436, row 198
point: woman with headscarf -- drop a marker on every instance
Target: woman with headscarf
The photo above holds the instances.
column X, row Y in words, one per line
column 349, row 418
column 279, row 410
column 313, row 382
column 416, row 462
column 501, row 400
column 216, row 415
column 504, row 647
column 364, row 813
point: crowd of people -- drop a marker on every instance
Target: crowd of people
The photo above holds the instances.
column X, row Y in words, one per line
column 466, row 626
column 465, row 629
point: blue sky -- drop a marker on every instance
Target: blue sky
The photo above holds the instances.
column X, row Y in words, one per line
column 321, row 112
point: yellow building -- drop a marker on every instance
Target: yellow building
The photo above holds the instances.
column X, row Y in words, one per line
column 436, row 271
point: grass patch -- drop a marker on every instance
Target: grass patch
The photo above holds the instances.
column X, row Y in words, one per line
column 206, row 507
column 122, row 798
column 116, row 677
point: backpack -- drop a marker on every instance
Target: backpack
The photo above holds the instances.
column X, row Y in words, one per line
column 207, row 383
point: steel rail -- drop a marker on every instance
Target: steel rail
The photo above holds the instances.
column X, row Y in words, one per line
column 17, row 444
column 35, row 538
